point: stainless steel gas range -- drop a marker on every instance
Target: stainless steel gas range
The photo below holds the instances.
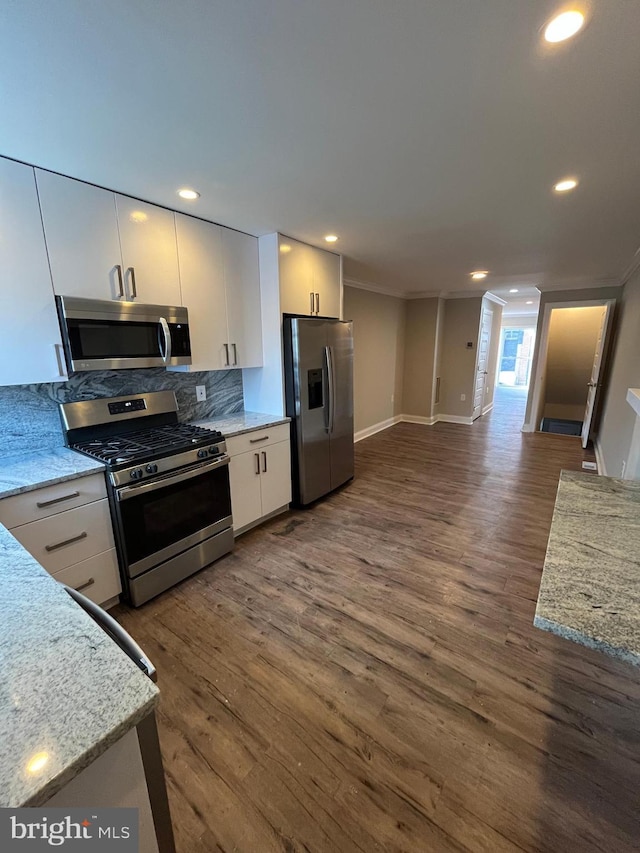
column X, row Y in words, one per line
column 168, row 487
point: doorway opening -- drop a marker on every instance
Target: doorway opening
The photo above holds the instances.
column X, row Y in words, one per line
column 568, row 376
column 516, row 353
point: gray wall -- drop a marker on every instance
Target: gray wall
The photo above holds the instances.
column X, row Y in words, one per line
column 419, row 356
column 461, row 324
column 378, row 339
column 29, row 417
column 618, row 418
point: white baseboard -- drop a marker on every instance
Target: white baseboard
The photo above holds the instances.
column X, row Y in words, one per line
column 372, row 430
column 602, row 470
column 455, row 419
column 527, row 428
column 419, row 419
column 487, row 409
column 409, row 419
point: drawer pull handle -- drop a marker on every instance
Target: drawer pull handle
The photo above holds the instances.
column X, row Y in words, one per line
column 55, row 547
column 70, row 496
column 84, row 585
column 256, row 440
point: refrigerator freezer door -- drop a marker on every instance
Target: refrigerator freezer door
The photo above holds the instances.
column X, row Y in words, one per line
column 340, row 345
column 308, row 342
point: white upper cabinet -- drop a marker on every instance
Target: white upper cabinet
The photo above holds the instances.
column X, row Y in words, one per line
column 220, row 283
column 149, row 252
column 242, row 287
column 203, row 294
column 81, row 230
column 296, row 277
column 310, row 281
column 30, row 345
column 326, row 283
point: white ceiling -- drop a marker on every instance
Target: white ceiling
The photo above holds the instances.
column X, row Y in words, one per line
column 426, row 133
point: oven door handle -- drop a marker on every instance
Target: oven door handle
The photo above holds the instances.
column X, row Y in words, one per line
column 128, row 492
column 115, row 631
column 164, row 326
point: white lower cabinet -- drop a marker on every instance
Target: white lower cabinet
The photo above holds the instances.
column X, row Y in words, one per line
column 74, row 544
column 260, row 475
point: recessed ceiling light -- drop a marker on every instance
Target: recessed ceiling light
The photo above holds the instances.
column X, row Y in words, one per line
column 189, row 194
column 513, row 290
column 478, row 274
column 564, row 26
column 331, row 238
column 565, row 185
column 529, row 301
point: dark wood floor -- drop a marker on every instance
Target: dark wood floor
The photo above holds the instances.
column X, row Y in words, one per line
column 365, row 675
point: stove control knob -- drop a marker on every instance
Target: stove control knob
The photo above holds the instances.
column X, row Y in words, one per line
column 136, row 474
column 214, row 449
column 202, row 454
column 152, row 469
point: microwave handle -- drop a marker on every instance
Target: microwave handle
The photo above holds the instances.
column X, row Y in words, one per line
column 166, row 355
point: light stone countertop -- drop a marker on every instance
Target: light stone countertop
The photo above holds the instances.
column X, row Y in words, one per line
column 67, row 691
column 230, row 425
column 33, row 470
column 590, row 588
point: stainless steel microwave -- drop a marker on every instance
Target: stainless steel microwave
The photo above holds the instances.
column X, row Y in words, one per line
column 102, row 335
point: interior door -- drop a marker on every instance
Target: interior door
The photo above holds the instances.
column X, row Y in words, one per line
column 483, row 359
column 595, row 382
column 309, row 340
column 340, row 344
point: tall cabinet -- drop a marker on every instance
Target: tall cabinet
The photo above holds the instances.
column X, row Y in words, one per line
column 30, row 345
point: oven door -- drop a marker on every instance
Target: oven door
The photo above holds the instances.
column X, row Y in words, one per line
column 161, row 518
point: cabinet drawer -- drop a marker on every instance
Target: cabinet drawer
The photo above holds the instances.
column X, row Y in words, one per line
column 68, row 537
column 98, row 577
column 41, row 503
column 257, row 439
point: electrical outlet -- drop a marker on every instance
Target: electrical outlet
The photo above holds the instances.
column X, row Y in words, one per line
column 463, row 397
column 393, row 398
column 201, row 393
column 624, row 466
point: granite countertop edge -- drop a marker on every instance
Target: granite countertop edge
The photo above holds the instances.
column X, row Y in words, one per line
column 590, row 642
column 242, row 422
column 57, row 783
column 29, row 471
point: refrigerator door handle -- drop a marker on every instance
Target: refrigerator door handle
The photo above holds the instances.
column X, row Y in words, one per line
column 330, row 388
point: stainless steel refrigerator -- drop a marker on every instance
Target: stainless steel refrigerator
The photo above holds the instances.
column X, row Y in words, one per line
column 318, row 360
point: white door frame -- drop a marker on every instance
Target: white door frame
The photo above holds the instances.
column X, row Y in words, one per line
column 539, row 373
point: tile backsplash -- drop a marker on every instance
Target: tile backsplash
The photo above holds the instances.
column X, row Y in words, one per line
column 29, row 418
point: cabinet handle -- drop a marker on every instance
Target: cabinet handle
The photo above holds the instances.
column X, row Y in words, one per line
column 55, row 547
column 132, row 274
column 43, row 504
column 118, row 269
column 62, row 371
column 256, row 440
column 264, row 461
column 235, row 355
column 257, row 455
column 317, row 303
column 226, row 354
column 311, row 302
column 84, row 585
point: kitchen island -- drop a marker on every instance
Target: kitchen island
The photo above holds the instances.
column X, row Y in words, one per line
column 68, row 691
column 590, row 588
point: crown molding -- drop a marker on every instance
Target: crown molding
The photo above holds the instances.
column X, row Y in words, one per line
column 493, row 298
column 633, row 267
